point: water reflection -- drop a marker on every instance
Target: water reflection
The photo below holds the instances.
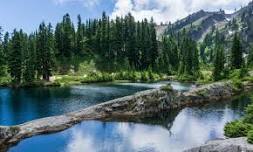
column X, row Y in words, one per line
column 174, row 132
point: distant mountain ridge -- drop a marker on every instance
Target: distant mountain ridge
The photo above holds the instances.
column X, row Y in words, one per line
column 198, row 25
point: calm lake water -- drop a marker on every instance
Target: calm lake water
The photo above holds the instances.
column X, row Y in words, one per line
column 21, row 105
column 174, row 131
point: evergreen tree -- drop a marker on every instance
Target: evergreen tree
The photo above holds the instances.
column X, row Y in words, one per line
column 30, row 60
column 2, row 55
column 236, row 53
column 6, row 45
column 15, row 57
column 80, row 39
column 65, row 42
column 154, row 46
column 219, row 62
column 188, row 56
column 45, row 51
column 250, row 56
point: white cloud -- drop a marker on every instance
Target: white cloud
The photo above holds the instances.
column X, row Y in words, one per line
column 171, row 10
column 163, row 10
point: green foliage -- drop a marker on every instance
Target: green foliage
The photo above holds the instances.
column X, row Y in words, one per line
column 187, row 78
column 243, row 127
column 45, row 51
column 249, row 114
column 250, row 57
column 219, row 62
column 167, row 88
column 250, row 136
column 205, row 76
column 236, row 53
column 15, row 56
column 189, row 57
column 237, row 129
column 237, row 83
column 109, row 46
column 248, row 78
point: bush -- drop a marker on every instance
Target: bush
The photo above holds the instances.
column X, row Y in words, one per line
column 243, row 72
column 248, row 78
column 237, row 129
column 238, row 73
column 187, row 78
column 145, row 76
column 250, row 137
column 167, row 88
column 237, row 83
column 248, row 118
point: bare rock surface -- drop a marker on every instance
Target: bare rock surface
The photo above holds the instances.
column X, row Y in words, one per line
column 227, row 145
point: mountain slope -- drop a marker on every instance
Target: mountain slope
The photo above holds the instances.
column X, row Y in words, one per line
column 200, row 23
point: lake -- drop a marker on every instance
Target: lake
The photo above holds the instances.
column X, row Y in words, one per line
column 21, row 105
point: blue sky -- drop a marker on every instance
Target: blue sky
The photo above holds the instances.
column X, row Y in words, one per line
column 27, row 14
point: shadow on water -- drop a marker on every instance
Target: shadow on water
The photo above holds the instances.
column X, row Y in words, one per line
column 171, row 131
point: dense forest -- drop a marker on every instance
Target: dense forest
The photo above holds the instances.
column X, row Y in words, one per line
column 121, row 44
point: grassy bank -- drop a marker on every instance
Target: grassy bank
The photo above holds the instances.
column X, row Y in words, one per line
column 92, row 77
column 96, row 77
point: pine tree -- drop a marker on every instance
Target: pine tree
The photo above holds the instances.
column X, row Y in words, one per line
column 2, row 55
column 236, row 53
column 154, row 46
column 219, row 62
column 45, row 51
column 250, row 56
column 30, row 60
column 6, row 45
column 65, row 42
column 80, row 39
column 15, row 57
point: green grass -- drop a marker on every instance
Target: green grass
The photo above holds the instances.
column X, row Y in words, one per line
column 134, row 76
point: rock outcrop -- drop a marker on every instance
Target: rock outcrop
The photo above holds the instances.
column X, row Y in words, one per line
column 138, row 105
column 227, row 145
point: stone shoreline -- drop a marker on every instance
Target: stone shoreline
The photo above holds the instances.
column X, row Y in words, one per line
column 225, row 145
column 140, row 104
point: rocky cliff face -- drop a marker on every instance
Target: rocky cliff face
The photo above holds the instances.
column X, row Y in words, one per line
column 200, row 23
column 228, row 145
column 138, row 105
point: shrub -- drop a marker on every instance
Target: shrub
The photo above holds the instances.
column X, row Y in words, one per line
column 145, row 76
column 187, row 78
column 237, row 129
column 249, row 114
column 167, row 88
column 237, row 83
column 243, row 72
column 248, row 78
column 238, row 73
column 250, row 137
